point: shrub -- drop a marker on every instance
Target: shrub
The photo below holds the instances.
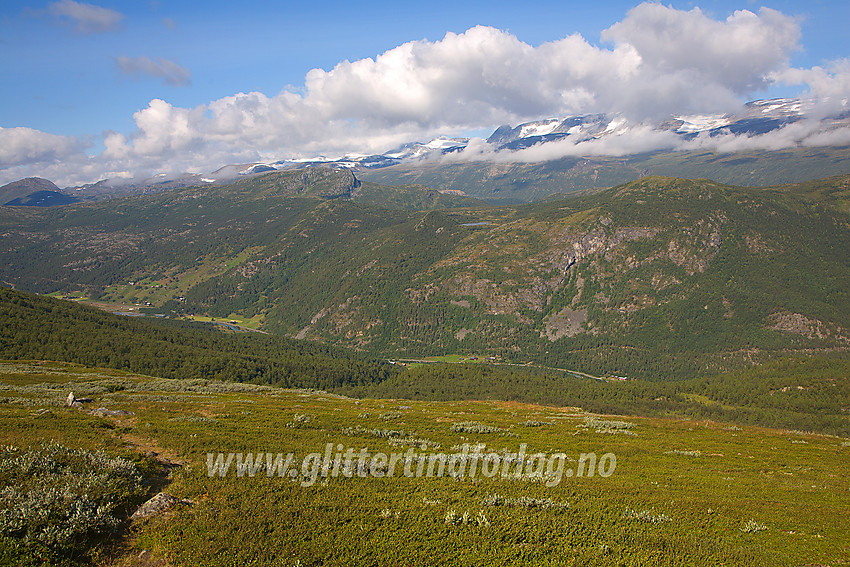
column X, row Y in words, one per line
column 474, row 427
column 612, row 426
column 646, row 516
column 300, row 419
column 454, row 519
column 394, row 437
column 753, row 527
column 193, row 419
column 536, row 423
column 61, row 498
column 524, row 502
column 684, row 453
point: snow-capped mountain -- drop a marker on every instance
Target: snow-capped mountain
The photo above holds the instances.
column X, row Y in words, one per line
column 409, row 151
column 758, row 117
column 548, row 130
column 415, row 149
column 755, row 118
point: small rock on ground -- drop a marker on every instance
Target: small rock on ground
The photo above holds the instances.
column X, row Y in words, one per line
column 160, row 503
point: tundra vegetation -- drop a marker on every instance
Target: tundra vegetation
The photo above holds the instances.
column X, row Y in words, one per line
column 685, row 491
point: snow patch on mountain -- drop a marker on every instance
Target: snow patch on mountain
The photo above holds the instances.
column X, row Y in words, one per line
column 541, row 128
column 258, row 168
column 701, row 123
column 617, row 126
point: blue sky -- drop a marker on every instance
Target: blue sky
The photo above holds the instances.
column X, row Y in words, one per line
column 76, row 73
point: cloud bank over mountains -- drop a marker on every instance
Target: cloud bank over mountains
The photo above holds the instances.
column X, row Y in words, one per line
column 658, row 62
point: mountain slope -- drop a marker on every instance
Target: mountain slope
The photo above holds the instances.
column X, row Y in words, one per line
column 513, row 183
column 33, row 327
column 33, row 191
column 663, row 278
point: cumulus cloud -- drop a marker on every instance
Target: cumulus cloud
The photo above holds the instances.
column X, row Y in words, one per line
column 25, row 146
column 831, row 137
column 737, row 54
column 641, row 138
column 485, row 76
column 86, row 18
column 828, row 86
column 656, row 63
column 170, row 72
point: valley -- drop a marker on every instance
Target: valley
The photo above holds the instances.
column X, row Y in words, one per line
column 685, row 339
column 660, row 278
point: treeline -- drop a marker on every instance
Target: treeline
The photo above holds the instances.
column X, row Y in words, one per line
column 34, row 327
column 804, row 393
column 807, row 394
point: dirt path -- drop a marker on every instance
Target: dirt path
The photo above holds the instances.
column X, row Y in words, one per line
column 127, row 552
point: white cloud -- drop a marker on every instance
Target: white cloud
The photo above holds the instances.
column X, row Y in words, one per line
column 485, row 77
column 641, row 138
column 86, row 18
column 736, row 54
column 25, row 146
column 635, row 139
column 657, row 62
column 829, row 87
column 170, row 72
column 832, row 137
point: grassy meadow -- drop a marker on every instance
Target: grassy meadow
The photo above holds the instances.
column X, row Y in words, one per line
column 683, row 492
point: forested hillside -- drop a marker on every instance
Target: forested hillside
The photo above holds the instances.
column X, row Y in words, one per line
column 659, row 278
column 40, row 328
column 809, row 394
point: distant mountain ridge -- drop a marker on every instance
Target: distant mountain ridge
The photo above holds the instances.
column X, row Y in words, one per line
column 757, row 117
column 32, row 191
column 417, row 162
